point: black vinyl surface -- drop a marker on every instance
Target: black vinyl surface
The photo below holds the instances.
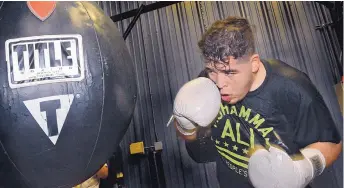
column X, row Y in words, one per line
column 67, row 94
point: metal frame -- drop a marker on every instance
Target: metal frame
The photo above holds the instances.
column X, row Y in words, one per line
column 336, row 11
column 146, row 8
column 137, row 12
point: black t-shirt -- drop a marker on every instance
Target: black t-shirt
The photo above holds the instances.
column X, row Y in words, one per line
column 286, row 110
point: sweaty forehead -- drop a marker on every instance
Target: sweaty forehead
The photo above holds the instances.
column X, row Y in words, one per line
column 217, row 65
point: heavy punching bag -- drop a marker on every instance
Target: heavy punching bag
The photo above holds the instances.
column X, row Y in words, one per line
column 67, row 92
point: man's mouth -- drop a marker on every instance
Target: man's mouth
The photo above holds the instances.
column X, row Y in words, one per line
column 225, row 97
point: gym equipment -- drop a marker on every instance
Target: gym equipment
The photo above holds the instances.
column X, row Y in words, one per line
column 139, row 148
column 68, row 92
column 153, row 153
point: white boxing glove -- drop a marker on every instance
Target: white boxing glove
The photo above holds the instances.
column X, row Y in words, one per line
column 197, row 103
column 275, row 168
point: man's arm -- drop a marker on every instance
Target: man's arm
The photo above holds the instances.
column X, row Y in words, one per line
column 195, row 120
column 317, row 130
column 330, row 151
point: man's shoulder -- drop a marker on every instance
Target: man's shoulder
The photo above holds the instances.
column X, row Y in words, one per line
column 292, row 80
column 285, row 70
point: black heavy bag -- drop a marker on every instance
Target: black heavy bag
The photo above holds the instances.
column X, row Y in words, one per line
column 67, row 92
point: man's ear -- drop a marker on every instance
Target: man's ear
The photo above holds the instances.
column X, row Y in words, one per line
column 255, row 60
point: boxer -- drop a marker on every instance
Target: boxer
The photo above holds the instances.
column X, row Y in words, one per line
column 270, row 127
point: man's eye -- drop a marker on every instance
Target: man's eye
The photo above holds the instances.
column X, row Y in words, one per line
column 228, row 72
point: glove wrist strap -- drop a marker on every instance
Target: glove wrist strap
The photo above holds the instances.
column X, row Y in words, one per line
column 181, row 130
column 316, row 158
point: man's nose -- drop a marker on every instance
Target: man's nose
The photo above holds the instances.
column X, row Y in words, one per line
column 221, row 81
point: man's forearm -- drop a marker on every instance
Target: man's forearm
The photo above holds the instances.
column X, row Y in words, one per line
column 330, row 151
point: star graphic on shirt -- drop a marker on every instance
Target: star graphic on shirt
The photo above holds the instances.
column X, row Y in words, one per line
column 217, row 142
column 226, row 144
column 245, row 151
column 235, row 148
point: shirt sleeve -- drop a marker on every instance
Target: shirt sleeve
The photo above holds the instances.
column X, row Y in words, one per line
column 315, row 124
column 201, row 150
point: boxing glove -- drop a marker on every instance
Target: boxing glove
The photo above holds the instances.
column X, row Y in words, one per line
column 275, row 168
column 197, row 103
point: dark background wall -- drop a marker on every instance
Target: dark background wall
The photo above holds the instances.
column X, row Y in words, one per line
column 163, row 45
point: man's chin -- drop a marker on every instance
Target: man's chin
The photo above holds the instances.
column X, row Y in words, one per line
column 232, row 101
column 229, row 102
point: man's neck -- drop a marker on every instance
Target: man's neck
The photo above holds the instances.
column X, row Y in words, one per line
column 259, row 77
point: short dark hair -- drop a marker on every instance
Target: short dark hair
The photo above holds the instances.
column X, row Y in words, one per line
column 232, row 36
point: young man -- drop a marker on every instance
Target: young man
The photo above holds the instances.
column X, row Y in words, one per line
column 273, row 129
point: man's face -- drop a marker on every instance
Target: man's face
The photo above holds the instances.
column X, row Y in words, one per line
column 233, row 77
